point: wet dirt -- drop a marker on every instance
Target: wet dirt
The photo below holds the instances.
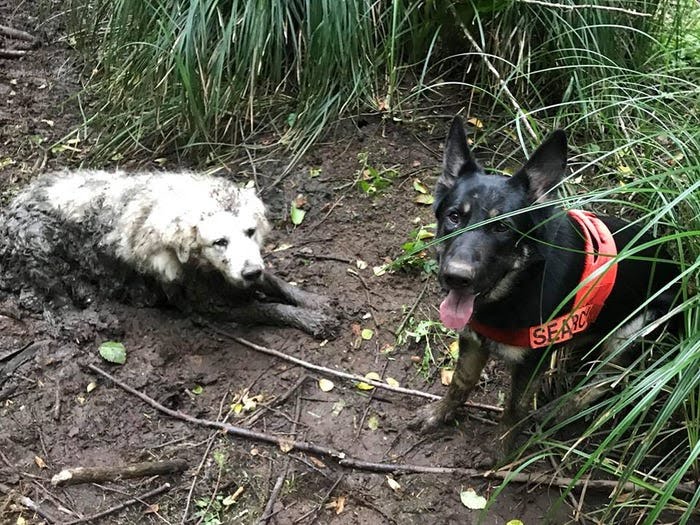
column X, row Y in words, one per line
column 49, row 420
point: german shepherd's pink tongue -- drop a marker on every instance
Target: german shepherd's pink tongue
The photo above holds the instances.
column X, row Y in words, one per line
column 456, row 310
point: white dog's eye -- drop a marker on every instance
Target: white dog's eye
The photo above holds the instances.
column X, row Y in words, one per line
column 221, row 243
column 250, row 232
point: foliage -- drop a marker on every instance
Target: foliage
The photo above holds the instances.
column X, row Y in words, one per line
column 371, row 180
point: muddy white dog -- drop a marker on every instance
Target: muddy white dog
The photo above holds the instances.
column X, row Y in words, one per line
column 192, row 240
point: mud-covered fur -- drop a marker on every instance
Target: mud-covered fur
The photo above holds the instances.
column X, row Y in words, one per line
column 517, row 271
column 147, row 238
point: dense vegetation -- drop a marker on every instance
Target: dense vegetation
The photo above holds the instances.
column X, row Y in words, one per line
column 203, row 76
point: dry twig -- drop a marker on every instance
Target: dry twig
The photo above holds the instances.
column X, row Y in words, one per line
column 75, row 476
column 16, row 34
column 687, row 488
column 27, row 503
column 344, row 375
column 139, row 499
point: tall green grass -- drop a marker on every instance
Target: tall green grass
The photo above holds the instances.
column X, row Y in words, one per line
column 629, row 96
column 205, row 75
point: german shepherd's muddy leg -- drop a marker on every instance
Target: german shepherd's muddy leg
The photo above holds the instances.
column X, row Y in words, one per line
column 472, row 359
column 525, row 382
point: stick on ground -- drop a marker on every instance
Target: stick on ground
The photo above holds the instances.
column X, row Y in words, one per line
column 75, row 476
column 17, row 34
column 344, row 375
column 139, row 499
column 686, row 488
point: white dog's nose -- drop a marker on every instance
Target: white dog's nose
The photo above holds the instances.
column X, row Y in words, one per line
column 251, row 272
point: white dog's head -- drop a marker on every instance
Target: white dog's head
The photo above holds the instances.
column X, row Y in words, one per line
column 230, row 241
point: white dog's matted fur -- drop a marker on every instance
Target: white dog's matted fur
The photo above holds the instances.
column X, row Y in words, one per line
column 188, row 239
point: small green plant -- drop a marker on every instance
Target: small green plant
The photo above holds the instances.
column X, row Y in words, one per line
column 415, row 251
column 371, row 180
column 438, row 350
column 210, row 510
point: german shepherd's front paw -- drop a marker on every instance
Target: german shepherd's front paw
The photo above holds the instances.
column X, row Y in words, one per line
column 431, row 417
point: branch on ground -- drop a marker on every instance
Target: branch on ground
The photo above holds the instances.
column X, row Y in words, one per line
column 687, row 488
column 75, row 476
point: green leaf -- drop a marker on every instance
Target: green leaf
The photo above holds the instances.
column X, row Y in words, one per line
column 424, row 199
column 113, row 351
column 197, row 389
column 472, row 500
column 373, row 422
column 420, row 187
column 367, row 334
column 296, row 215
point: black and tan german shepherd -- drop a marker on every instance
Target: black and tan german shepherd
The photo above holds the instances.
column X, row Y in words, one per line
column 534, row 276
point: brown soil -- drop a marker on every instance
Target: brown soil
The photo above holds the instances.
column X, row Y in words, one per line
column 48, row 420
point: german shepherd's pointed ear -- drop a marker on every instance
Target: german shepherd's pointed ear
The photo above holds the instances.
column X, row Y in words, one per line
column 545, row 169
column 457, row 160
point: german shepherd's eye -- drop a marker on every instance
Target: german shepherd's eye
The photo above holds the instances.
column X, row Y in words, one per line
column 250, row 232
column 221, row 243
column 454, row 217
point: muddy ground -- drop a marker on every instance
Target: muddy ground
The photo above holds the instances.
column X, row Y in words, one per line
column 49, row 420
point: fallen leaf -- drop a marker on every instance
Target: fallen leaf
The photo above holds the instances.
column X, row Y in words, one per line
column 472, row 500
column 113, row 351
column 475, row 122
column 379, row 270
column 424, row 234
column 365, row 386
column 373, row 422
column 152, row 509
column 367, row 334
column 39, row 462
column 446, row 376
column 338, row 407
column 317, row 462
column 20, row 521
column 416, row 163
column 286, row 445
column 454, row 349
column 515, row 522
column 393, row 484
column 420, row 187
column 336, row 503
column 424, row 199
column 296, row 215
column 91, row 386
column 391, row 381
column 361, row 265
column 326, row 385
column 387, row 348
column 282, row 247
column 356, row 329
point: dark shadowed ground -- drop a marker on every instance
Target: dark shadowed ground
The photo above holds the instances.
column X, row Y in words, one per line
column 49, row 420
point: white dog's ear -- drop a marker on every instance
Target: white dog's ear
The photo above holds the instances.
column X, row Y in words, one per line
column 185, row 243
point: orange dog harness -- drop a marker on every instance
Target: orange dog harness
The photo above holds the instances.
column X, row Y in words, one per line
column 596, row 284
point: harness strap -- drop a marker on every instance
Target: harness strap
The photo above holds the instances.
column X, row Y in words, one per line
column 597, row 281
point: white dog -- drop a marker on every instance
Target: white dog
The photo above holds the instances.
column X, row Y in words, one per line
column 140, row 236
